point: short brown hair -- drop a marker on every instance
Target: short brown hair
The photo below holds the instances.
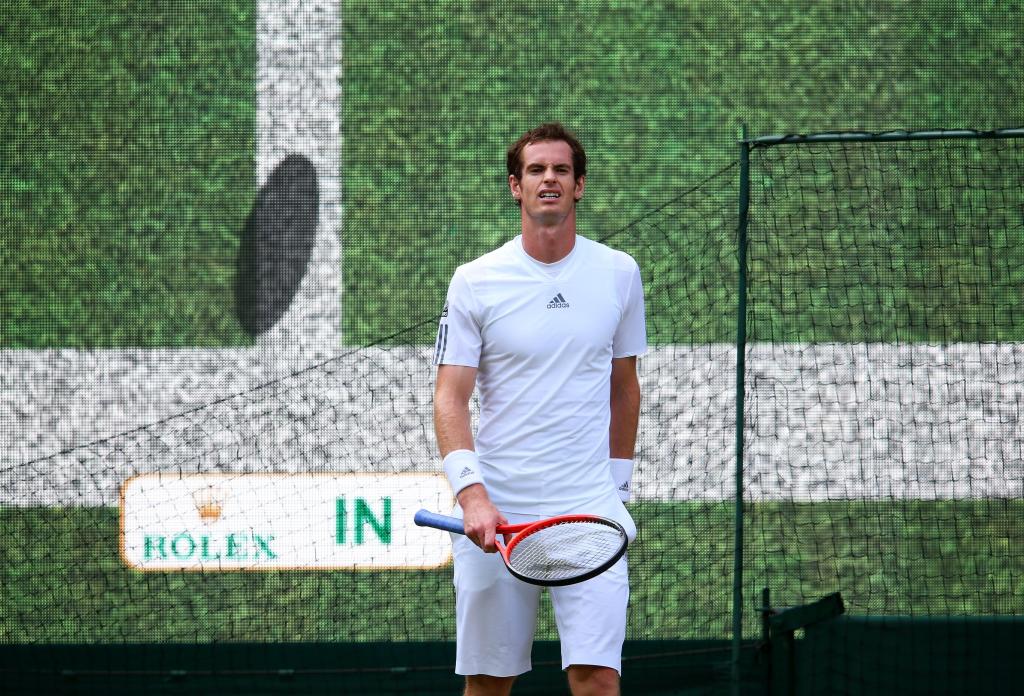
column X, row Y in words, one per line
column 546, row 132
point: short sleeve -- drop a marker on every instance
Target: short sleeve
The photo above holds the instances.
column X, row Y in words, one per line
column 458, row 332
column 631, row 335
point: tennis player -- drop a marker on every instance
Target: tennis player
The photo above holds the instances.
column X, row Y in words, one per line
column 548, row 328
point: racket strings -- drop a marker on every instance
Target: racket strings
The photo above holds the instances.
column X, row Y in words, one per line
column 565, row 550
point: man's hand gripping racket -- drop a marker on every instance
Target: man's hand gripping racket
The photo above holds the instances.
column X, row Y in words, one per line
column 557, row 551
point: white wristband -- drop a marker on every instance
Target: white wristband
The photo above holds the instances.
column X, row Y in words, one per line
column 462, row 467
column 622, row 475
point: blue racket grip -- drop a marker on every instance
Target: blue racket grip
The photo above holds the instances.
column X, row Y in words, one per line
column 426, row 518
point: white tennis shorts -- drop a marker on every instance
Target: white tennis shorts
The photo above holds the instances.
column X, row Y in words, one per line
column 496, row 614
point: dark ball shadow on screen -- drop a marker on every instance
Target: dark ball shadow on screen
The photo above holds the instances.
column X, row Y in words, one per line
column 276, row 244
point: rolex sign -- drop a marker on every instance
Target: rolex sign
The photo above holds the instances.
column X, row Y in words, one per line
column 213, row 522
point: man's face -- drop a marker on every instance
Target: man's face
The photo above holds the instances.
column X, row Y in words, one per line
column 548, row 189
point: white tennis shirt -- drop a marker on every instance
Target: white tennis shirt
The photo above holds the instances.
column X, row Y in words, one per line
column 542, row 337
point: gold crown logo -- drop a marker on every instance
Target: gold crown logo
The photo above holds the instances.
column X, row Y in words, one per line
column 209, row 504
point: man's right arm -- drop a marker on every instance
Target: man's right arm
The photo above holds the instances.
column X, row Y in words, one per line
column 452, row 392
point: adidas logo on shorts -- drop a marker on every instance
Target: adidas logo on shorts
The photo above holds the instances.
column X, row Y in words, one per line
column 558, row 302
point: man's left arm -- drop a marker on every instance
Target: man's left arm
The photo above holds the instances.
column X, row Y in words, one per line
column 625, row 417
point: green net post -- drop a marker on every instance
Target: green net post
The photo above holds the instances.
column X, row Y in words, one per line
column 741, row 341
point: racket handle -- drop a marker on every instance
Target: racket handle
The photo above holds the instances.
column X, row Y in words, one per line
column 426, row 518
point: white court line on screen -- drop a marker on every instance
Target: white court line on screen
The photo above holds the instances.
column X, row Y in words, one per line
column 829, row 422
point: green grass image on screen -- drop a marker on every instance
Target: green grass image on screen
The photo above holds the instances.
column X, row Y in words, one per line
column 99, row 165
column 65, row 581
column 127, row 169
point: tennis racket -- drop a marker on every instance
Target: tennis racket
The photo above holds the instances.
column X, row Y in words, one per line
column 557, row 551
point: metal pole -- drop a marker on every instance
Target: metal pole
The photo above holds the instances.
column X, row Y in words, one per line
column 741, row 343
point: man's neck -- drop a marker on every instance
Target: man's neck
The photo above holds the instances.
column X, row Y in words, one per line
column 549, row 244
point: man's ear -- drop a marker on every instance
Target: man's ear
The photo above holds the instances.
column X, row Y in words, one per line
column 580, row 183
column 514, row 187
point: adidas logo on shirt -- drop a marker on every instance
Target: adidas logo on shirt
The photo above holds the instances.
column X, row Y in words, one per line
column 558, row 302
